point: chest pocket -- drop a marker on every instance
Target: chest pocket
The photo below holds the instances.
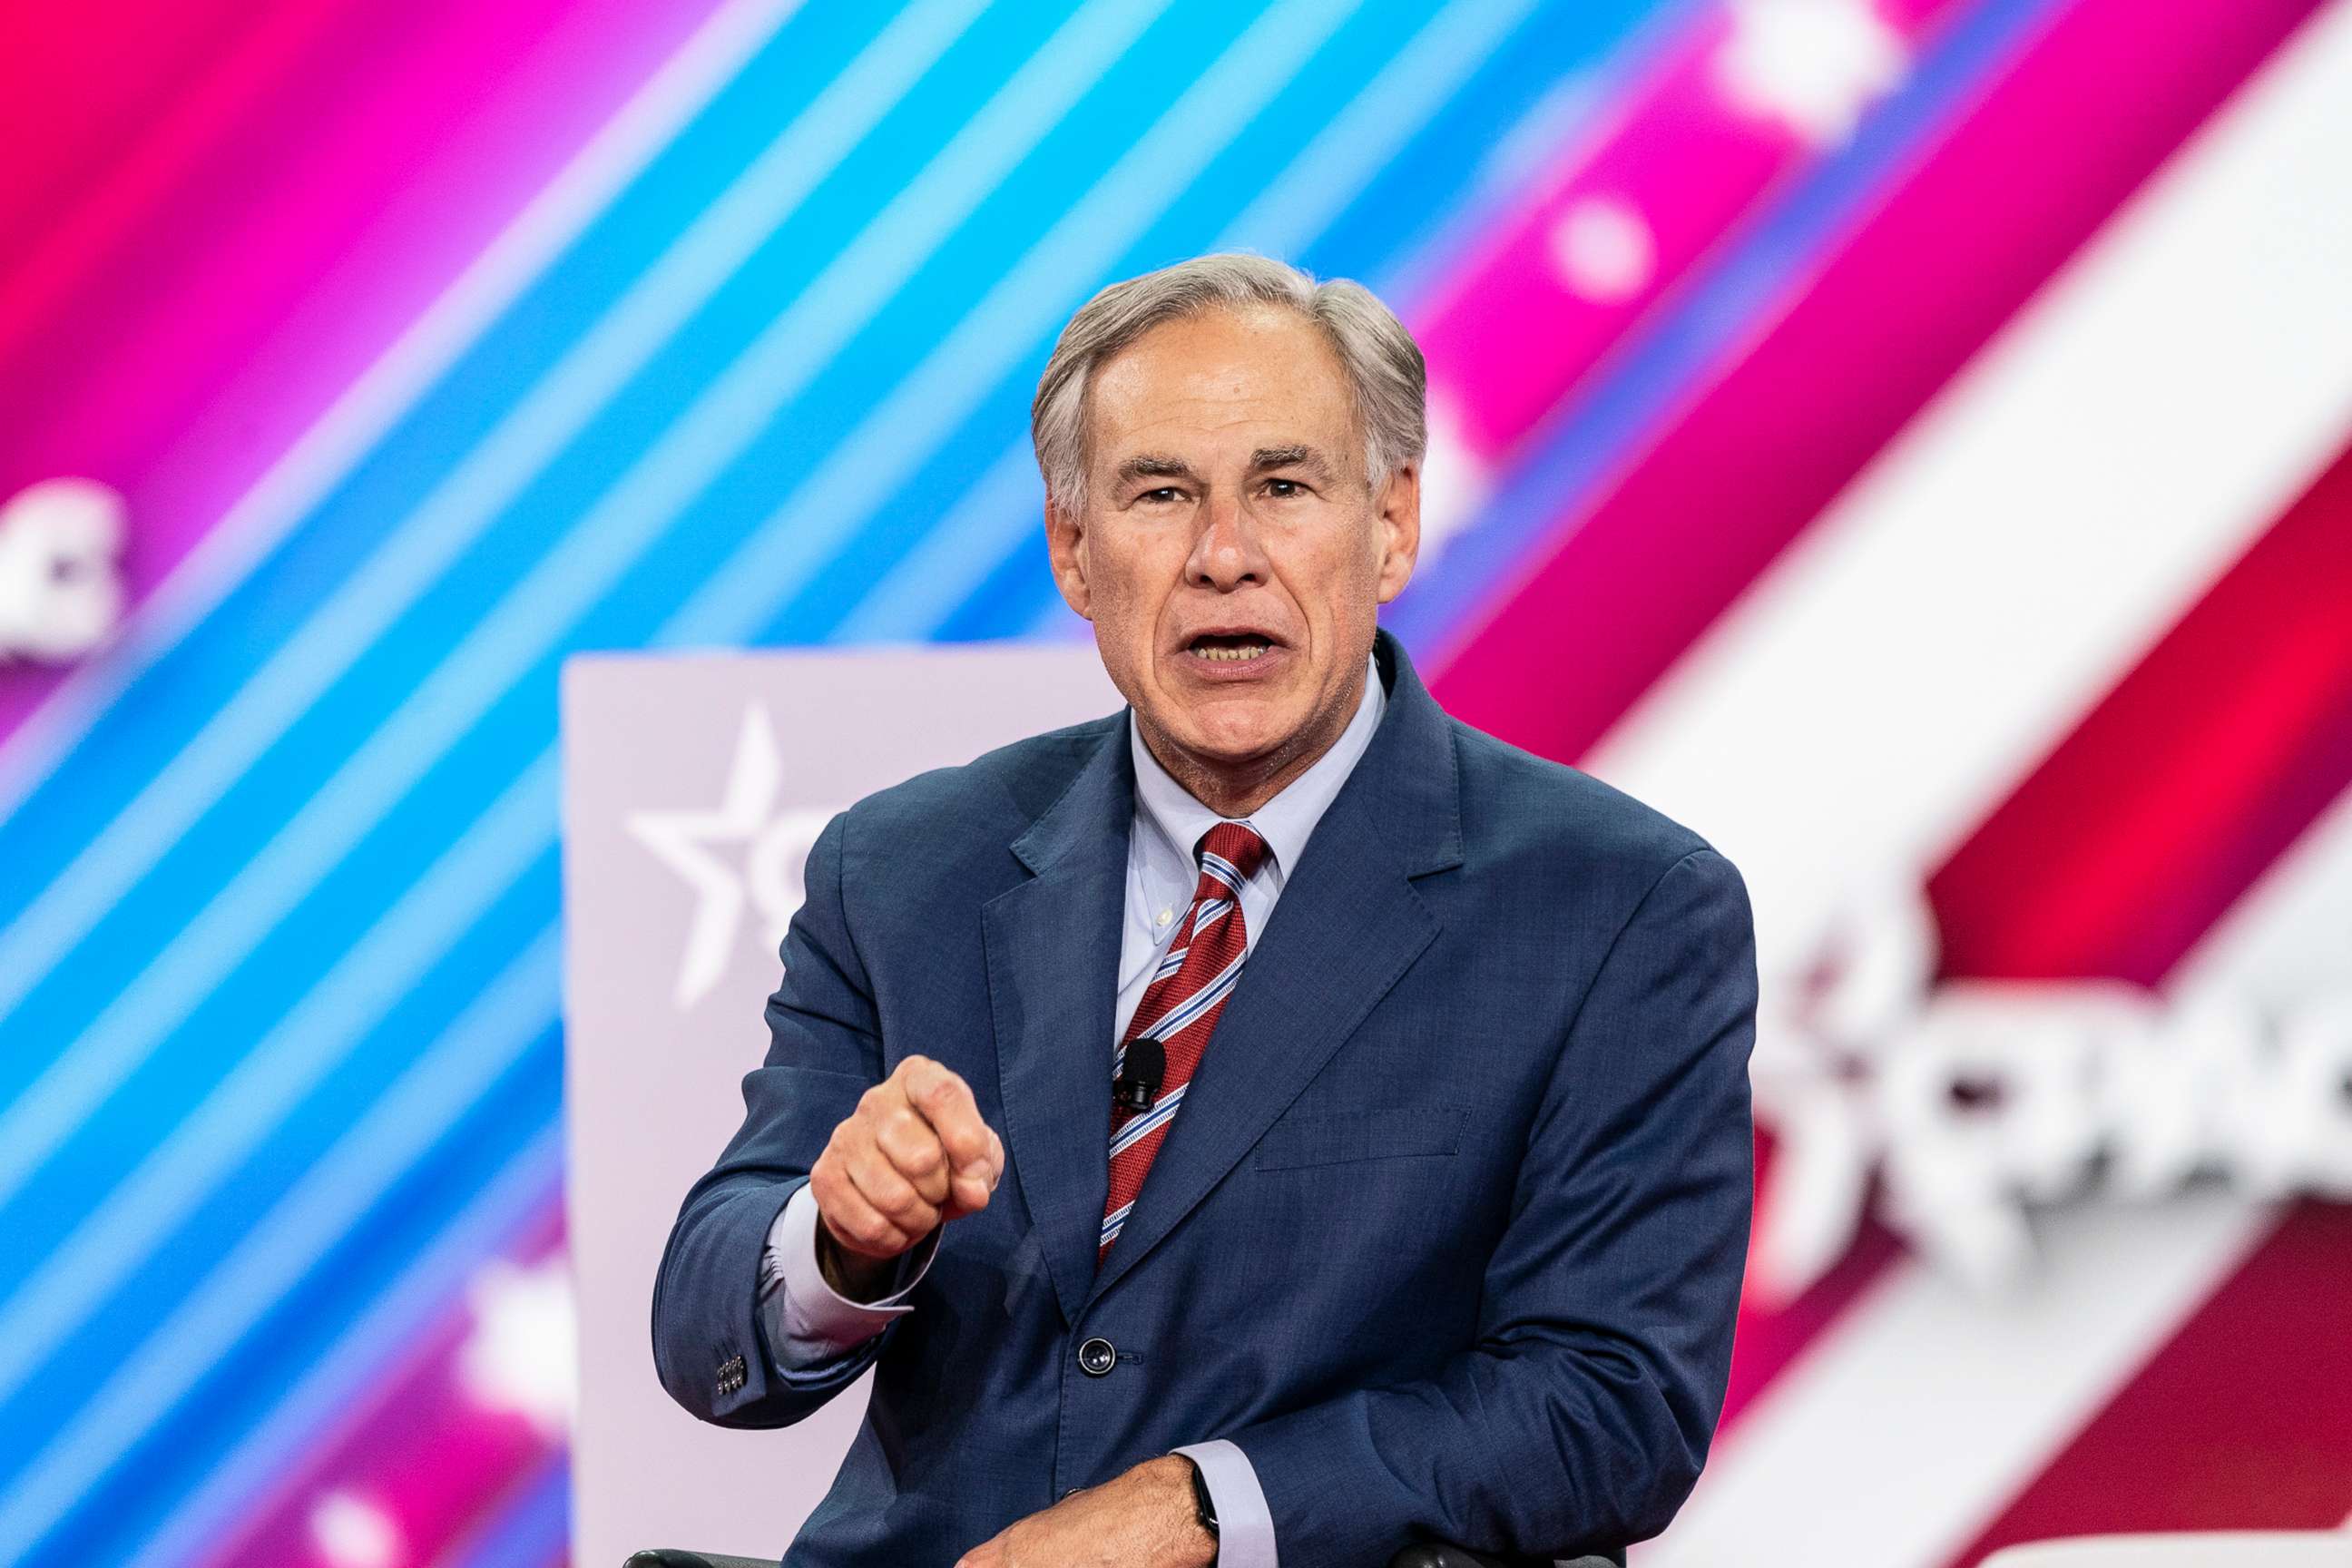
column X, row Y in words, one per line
column 1338, row 1137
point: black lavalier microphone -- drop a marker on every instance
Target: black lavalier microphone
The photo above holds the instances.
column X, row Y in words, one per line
column 1138, row 1081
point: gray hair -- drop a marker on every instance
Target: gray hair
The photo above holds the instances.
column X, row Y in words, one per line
column 1387, row 377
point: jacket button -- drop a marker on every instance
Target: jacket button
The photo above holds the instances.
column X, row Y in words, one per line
column 1097, row 1357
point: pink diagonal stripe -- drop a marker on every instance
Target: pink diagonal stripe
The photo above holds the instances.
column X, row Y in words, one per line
column 2106, row 92
column 329, row 205
column 81, row 86
column 1622, row 216
column 106, row 200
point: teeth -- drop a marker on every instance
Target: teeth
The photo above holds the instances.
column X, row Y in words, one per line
column 1227, row 655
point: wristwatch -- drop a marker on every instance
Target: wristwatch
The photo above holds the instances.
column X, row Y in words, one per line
column 1202, row 1505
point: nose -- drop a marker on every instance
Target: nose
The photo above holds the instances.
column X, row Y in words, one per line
column 1226, row 554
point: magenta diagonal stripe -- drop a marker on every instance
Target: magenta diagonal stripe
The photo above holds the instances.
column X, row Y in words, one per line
column 1703, row 504
column 210, row 293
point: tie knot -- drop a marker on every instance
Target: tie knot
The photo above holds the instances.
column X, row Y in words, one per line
column 1232, row 851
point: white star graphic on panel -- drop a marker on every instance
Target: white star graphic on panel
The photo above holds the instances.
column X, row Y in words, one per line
column 521, row 1356
column 1815, row 64
column 768, row 848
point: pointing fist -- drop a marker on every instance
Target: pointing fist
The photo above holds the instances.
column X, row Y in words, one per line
column 915, row 1155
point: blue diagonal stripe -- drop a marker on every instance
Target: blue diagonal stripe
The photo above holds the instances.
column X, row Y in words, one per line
column 200, row 1327
column 332, row 1020
column 587, row 562
column 361, row 1354
column 418, row 553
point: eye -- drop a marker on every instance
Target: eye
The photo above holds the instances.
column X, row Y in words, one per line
column 1284, row 489
column 1165, row 494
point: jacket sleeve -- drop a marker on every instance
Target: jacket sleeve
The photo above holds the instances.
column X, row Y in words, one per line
column 825, row 1051
column 1580, row 1418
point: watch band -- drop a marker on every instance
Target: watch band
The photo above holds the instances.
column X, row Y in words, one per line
column 1204, row 1505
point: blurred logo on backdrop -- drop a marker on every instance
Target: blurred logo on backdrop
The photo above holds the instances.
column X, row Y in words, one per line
column 1950, row 1111
column 60, row 593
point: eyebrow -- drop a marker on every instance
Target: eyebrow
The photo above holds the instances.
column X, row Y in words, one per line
column 1295, row 454
column 1145, row 466
column 1151, row 466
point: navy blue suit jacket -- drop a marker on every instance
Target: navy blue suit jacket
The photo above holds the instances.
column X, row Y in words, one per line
column 1448, row 1238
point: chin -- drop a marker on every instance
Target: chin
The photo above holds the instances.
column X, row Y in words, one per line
column 1235, row 737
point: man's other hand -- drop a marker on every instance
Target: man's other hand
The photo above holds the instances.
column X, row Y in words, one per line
column 914, row 1155
column 1144, row 1519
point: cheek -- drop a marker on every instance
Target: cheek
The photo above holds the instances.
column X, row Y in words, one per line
column 1333, row 577
column 1124, row 610
column 1135, row 581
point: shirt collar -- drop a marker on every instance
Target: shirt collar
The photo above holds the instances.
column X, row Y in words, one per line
column 1285, row 821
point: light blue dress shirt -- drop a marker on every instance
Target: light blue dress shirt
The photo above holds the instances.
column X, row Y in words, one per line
column 809, row 1323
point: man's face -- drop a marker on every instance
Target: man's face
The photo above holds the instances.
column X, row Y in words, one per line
column 1232, row 555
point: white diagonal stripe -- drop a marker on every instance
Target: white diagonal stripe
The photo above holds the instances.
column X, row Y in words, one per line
column 1985, row 582
column 2071, row 495
column 1143, row 1126
column 1182, row 1015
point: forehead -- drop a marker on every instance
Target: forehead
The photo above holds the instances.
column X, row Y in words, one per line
column 1223, row 372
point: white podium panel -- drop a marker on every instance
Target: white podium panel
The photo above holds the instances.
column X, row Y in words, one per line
column 693, row 788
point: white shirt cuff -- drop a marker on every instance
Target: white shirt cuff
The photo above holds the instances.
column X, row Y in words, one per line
column 1245, row 1524
column 809, row 1323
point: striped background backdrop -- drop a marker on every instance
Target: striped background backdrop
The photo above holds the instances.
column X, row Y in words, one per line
column 1910, row 440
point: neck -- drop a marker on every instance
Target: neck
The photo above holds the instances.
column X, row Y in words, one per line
column 1237, row 789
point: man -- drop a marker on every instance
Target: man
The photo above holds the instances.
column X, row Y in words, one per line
column 1434, row 1054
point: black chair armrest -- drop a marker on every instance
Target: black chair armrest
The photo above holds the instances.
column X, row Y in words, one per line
column 1438, row 1554
column 1443, row 1554
column 1423, row 1554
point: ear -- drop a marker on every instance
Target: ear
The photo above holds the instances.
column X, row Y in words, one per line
column 1065, row 548
column 1399, row 530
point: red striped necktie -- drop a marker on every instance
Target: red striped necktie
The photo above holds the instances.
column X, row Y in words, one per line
column 1180, row 1008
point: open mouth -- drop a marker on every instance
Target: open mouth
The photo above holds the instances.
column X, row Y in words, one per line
column 1229, row 648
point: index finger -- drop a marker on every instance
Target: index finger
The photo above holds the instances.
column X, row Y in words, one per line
column 944, row 1099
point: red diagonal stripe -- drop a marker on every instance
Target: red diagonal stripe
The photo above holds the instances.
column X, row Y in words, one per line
column 2243, row 1422
column 2187, row 780
column 2193, row 775
column 2146, row 822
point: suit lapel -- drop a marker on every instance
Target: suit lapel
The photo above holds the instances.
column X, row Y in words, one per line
column 1347, row 928
column 1053, row 946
